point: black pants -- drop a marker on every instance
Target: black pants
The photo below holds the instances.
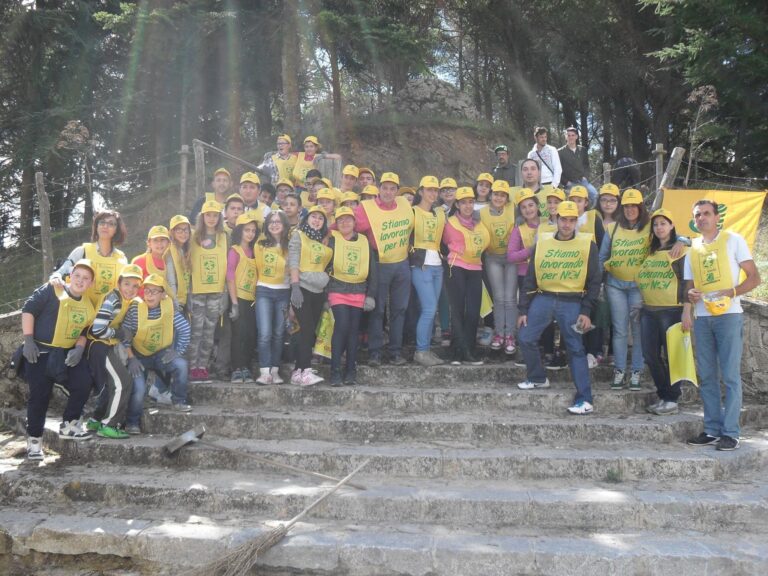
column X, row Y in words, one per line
column 78, row 385
column 654, row 325
column 111, row 381
column 243, row 335
column 345, row 337
column 465, row 290
column 308, row 316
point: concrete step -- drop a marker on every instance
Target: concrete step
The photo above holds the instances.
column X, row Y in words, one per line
column 172, row 542
column 480, row 506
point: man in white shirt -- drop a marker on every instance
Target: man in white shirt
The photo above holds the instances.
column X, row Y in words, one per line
column 547, row 157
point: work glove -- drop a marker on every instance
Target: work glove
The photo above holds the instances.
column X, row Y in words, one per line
column 169, row 355
column 297, row 298
column 122, row 334
column 234, row 312
column 135, row 369
column 369, row 304
column 74, row 356
column 30, row 351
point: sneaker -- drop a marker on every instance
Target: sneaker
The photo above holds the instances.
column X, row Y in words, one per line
column 159, row 397
column 112, row 432
column 665, row 407
column 592, row 361
column 296, row 377
column 446, row 340
column 34, row 448
column 651, row 408
column 247, row 376
column 509, row 345
column 558, row 362
column 336, row 380
column 93, row 425
column 703, row 439
column 426, row 358
column 581, row 408
column 182, row 407
column 374, row 361
column 498, row 342
column 728, row 443
column 133, row 429
column 398, row 360
column 265, row 377
column 195, row 375
column 205, row 377
column 470, row 359
column 634, row 381
column 485, row 336
column 528, row 385
column 309, row 377
column 236, row 377
column 618, row 380
column 73, row 431
column 275, row 373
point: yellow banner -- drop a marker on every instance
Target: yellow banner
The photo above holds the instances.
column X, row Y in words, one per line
column 739, row 211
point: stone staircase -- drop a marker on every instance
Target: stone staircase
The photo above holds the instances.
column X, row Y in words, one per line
column 467, row 476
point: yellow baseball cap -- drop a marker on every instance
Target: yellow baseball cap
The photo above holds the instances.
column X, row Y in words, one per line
column 284, row 182
column 155, row 280
column 246, row 217
column 485, row 177
column 251, row 177
column 327, row 182
column 326, row 193
column 578, row 192
column 567, row 209
column 312, row 139
column 232, row 197
column 499, row 186
column 131, row 271
column 284, row 137
column 344, row 211
column 222, row 171
column 464, row 192
column 429, row 182
column 631, row 196
column 557, row 193
column 85, row 263
column 524, row 194
column 663, row 212
column 370, row 190
column 350, row 196
column 176, row 220
column 158, row 232
column 350, row 170
column 610, row 188
column 211, row 206
column 448, row 183
column 366, row 169
column 390, row 177
column 317, row 209
column 407, row 190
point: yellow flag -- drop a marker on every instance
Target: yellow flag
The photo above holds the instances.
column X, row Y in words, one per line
column 324, row 334
column 682, row 367
column 486, row 304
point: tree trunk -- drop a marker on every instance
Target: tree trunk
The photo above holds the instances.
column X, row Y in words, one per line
column 27, row 202
column 335, row 79
column 584, row 122
column 476, row 78
column 487, row 88
column 461, row 55
column 605, row 113
column 88, row 209
column 291, row 64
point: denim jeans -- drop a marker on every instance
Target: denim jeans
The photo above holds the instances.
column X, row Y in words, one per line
column 654, row 324
column 718, row 345
column 621, row 301
column 428, row 282
column 591, row 191
column 395, row 284
column 502, row 276
column 543, row 309
column 271, row 310
column 177, row 370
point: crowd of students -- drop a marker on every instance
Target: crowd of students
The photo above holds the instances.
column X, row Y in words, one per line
column 247, row 265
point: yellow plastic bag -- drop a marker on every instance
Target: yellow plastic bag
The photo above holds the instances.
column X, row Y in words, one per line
column 486, row 303
column 682, row 367
column 324, row 333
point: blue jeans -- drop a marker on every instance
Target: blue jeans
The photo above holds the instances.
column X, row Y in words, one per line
column 543, row 309
column 502, row 276
column 591, row 191
column 177, row 370
column 271, row 311
column 395, row 285
column 621, row 301
column 718, row 345
column 654, row 324
column 428, row 282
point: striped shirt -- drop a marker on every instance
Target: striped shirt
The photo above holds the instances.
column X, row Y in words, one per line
column 110, row 308
column 181, row 329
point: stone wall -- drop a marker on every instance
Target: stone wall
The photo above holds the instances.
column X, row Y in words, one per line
column 11, row 390
column 754, row 362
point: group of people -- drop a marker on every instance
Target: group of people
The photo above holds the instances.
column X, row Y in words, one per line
column 247, row 265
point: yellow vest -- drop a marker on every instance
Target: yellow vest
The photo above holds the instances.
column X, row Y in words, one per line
column 499, row 228
column 301, row 167
column 284, row 167
column 314, row 255
column 114, row 323
column 475, row 241
column 106, row 268
column 561, row 265
column 546, row 227
column 589, row 225
column 245, row 276
column 710, row 264
column 305, row 201
column 391, row 228
column 183, row 275
column 657, row 281
column 527, row 234
column 73, row 317
column 153, row 335
column 149, row 263
column 350, row 258
column 270, row 264
column 209, row 266
column 259, row 214
column 428, row 228
column 628, row 250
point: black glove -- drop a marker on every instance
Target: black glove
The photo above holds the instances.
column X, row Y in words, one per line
column 234, row 312
column 135, row 369
column 74, row 356
column 169, row 355
column 297, row 298
column 30, row 351
column 122, row 334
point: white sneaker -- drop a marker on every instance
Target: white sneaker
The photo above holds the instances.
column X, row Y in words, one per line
column 275, row 373
column 592, row 361
column 159, row 397
column 581, row 408
column 73, row 430
column 666, row 407
column 34, row 448
column 264, row 376
column 528, row 385
column 485, row 337
column 309, row 377
column 296, row 377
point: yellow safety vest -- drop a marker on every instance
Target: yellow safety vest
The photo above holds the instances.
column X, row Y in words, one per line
column 589, row 225
column 499, row 228
column 350, row 258
column 428, row 228
column 245, row 276
column 547, row 227
column 115, row 322
column 391, row 228
column 475, row 241
column 258, row 214
column 301, row 167
column 270, row 264
column 629, row 249
column 149, row 263
column 183, row 275
column 284, row 167
column 209, row 266
column 305, row 201
column 657, row 281
column 561, row 265
column 73, row 317
column 153, row 335
column 527, row 234
column 106, row 268
column 710, row 264
column 314, row 255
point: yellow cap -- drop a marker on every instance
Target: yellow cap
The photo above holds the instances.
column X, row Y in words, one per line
column 578, row 192
column 631, row 196
column 317, row 209
column 350, row 196
column 232, row 197
column 557, row 193
column 284, row 182
column 485, row 177
column 663, row 212
column 312, row 139
column 567, row 209
column 222, row 171
column 155, row 280
column 390, row 177
column 350, row 170
column 344, row 211
column 429, row 182
column 370, row 190
column 158, row 232
column 327, row 182
column 407, row 190
column 716, row 305
column 524, row 194
column 366, row 169
column 610, row 188
column 211, row 206
column 85, row 263
column 176, row 220
column 326, row 193
column 247, row 217
column 448, row 183
column 284, row 137
column 131, row 271
column 464, row 192
column 500, row 186
column 251, row 177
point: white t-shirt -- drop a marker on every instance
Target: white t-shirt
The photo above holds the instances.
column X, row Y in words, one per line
column 738, row 252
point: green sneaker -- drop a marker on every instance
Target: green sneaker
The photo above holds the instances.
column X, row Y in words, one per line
column 92, row 425
column 111, row 432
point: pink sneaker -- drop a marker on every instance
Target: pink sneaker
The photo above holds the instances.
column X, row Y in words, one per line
column 509, row 345
column 296, row 377
column 309, row 377
column 497, row 342
column 203, row 375
column 194, row 375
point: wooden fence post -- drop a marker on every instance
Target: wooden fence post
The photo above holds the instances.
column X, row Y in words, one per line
column 606, row 172
column 45, row 226
column 199, row 168
column 659, row 152
column 184, row 153
column 669, row 176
